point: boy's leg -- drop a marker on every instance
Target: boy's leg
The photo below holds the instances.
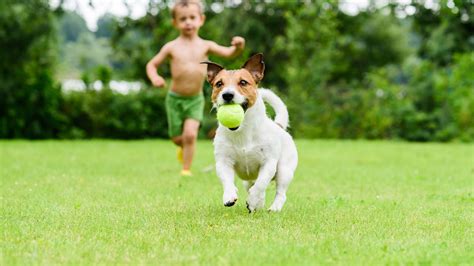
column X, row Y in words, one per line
column 188, row 138
column 175, row 123
column 178, row 140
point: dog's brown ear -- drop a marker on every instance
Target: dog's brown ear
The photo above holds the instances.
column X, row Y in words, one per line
column 255, row 66
column 212, row 70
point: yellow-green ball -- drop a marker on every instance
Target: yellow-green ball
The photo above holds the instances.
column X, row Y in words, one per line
column 230, row 115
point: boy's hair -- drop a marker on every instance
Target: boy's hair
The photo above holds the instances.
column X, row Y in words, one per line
column 186, row 3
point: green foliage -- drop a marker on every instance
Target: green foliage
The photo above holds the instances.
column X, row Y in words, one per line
column 137, row 41
column 441, row 101
column 263, row 27
column 29, row 97
column 104, row 74
column 368, row 41
column 71, row 26
column 445, row 31
column 105, row 114
column 373, row 75
column 309, row 40
column 106, row 26
column 84, row 56
column 455, row 88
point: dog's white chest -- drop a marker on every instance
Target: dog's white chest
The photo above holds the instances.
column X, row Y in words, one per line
column 247, row 161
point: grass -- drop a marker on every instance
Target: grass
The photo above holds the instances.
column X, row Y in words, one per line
column 351, row 202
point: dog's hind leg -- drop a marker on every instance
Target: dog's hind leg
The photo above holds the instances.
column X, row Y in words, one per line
column 247, row 185
column 256, row 197
column 283, row 179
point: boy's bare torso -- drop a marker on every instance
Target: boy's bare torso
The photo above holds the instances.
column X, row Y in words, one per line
column 186, row 71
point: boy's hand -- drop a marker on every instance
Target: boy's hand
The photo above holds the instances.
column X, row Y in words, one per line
column 238, row 42
column 158, row 82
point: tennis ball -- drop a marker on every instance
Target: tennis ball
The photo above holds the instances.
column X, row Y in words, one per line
column 230, row 115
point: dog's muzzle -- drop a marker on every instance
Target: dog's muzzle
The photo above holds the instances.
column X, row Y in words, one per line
column 228, row 97
column 245, row 106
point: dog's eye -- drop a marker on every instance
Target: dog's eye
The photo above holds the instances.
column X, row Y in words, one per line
column 243, row 83
column 219, row 84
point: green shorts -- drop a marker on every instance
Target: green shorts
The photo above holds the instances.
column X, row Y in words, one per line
column 180, row 108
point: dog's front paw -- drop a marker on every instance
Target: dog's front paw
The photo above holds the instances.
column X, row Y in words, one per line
column 278, row 203
column 230, row 198
column 255, row 200
column 230, row 203
column 275, row 207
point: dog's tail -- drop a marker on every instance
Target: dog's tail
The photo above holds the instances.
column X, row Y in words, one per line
column 281, row 113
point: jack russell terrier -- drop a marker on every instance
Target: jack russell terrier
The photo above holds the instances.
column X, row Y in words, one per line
column 259, row 150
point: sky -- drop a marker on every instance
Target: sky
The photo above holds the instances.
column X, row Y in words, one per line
column 138, row 7
column 100, row 7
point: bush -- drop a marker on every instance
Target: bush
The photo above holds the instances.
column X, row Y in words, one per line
column 419, row 102
column 107, row 114
column 29, row 98
column 456, row 87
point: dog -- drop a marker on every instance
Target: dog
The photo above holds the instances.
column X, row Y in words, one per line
column 260, row 149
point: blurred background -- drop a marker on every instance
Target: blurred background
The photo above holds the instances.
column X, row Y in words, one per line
column 73, row 69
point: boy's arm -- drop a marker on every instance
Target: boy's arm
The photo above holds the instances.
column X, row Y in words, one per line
column 152, row 66
column 237, row 45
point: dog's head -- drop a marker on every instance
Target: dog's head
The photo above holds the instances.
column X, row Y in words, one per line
column 236, row 86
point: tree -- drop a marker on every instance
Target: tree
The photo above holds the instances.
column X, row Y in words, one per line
column 310, row 40
column 106, row 26
column 71, row 26
column 445, row 30
column 368, row 41
column 29, row 98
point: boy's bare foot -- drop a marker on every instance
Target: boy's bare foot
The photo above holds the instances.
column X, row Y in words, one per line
column 186, row 173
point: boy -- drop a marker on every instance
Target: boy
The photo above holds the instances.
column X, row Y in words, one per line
column 185, row 101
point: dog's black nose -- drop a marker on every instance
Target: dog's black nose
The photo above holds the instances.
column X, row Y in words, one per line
column 228, row 96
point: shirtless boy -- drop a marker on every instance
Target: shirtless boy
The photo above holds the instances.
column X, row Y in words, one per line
column 185, row 100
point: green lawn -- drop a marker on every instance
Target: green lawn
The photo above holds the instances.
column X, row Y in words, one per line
column 122, row 202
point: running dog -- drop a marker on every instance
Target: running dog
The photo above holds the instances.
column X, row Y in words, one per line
column 260, row 149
